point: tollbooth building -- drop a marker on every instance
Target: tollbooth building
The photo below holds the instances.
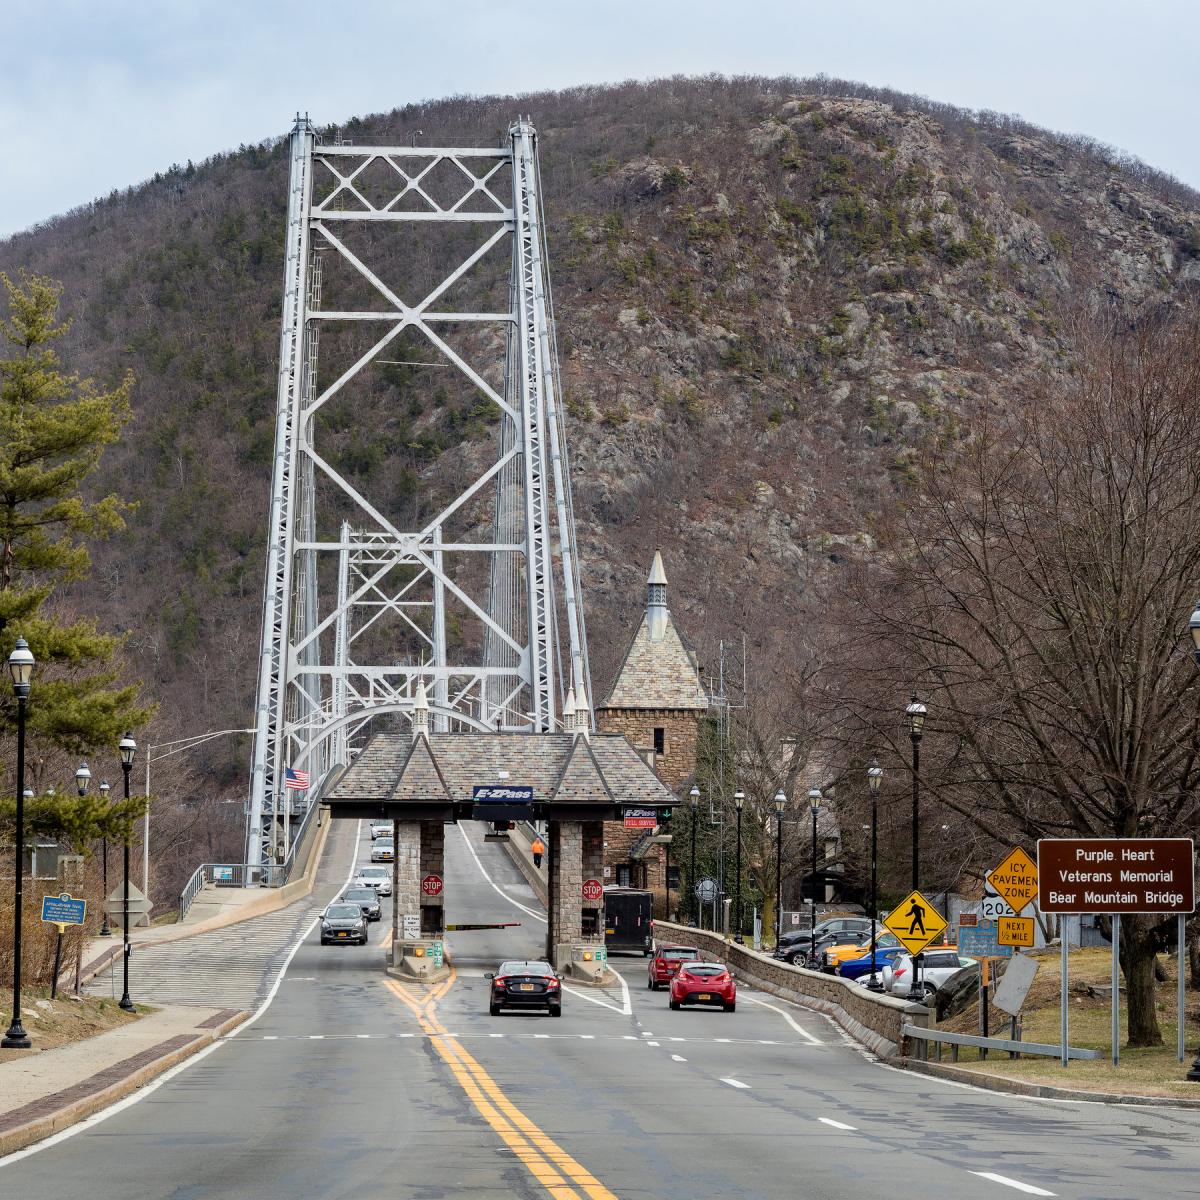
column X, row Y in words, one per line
column 422, row 780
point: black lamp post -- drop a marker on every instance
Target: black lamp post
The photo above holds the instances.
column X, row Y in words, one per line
column 105, row 928
column 694, row 796
column 128, row 748
column 814, row 803
column 916, row 726
column 780, row 805
column 739, row 798
column 874, row 779
column 20, row 668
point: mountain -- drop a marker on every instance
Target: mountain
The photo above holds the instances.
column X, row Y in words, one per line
column 769, row 291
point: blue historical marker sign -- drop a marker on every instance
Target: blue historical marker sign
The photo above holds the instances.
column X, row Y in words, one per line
column 979, row 941
column 63, row 910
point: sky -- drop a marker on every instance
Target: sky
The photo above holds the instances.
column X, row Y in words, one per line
column 97, row 96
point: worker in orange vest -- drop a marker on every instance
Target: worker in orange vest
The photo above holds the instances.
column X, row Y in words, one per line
column 538, row 848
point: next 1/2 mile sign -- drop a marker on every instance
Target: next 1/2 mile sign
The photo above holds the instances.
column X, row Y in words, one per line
column 1116, row 875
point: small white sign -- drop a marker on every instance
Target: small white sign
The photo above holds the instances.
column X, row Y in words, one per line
column 1014, row 984
column 411, row 927
column 992, row 908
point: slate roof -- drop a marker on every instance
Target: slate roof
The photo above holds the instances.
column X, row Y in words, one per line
column 657, row 674
column 560, row 767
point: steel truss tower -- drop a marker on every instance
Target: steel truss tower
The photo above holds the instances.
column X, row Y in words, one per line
column 356, row 610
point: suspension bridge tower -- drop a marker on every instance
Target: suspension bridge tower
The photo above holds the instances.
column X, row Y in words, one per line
column 464, row 587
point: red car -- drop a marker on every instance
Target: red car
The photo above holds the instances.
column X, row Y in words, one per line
column 703, row 983
column 662, row 967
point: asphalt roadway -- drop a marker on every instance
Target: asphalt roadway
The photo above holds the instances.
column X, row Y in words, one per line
column 351, row 1087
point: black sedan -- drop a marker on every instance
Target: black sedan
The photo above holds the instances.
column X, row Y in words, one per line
column 367, row 898
column 525, row 985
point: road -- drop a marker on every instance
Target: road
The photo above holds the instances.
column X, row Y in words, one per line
column 352, row 1087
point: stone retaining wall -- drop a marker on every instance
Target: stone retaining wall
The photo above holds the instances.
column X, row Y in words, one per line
column 869, row 1017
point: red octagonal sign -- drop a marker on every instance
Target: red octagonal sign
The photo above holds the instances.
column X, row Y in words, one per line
column 593, row 889
column 431, row 885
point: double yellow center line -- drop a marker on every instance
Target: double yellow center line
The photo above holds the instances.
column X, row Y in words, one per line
column 546, row 1161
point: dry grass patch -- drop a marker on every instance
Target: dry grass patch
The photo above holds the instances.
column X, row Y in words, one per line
column 51, row 1023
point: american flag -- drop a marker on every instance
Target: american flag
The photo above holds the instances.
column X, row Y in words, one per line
column 296, row 780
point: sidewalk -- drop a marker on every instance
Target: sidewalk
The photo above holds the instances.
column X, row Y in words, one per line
column 214, row 908
column 41, row 1094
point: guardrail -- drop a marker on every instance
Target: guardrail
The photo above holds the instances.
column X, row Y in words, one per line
column 269, row 875
column 923, row 1037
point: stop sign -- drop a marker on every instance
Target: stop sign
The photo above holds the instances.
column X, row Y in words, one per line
column 431, row 885
column 592, row 889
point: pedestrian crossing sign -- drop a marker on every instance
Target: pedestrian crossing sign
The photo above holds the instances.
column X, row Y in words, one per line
column 915, row 922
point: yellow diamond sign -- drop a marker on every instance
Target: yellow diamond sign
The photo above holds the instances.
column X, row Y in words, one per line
column 915, row 922
column 1016, row 879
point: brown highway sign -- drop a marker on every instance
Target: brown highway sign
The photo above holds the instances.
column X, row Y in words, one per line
column 1116, row 875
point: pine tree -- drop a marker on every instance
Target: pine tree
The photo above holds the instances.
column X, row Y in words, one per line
column 54, row 428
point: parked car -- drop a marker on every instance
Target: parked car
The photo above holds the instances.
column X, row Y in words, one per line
column 703, row 983
column 936, row 967
column 379, row 878
column 832, row 956
column 380, row 829
column 959, row 991
column 853, row 968
column 343, row 923
column 796, row 946
column 521, row 984
column 383, row 850
column 664, row 965
column 367, row 898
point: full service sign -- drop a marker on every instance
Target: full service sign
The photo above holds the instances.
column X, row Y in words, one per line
column 640, row 818
column 1116, row 875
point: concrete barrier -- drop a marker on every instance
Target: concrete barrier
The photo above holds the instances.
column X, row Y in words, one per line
column 517, row 844
column 872, row 1018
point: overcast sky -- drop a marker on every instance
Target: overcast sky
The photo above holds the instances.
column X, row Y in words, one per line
column 100, row 94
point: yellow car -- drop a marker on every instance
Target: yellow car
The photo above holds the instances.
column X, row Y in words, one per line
column 832, row 955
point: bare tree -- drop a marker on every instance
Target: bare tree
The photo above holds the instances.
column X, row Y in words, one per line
column 1040, row 579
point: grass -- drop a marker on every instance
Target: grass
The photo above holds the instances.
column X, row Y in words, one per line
column 1144, row 1071
column 67, row 1018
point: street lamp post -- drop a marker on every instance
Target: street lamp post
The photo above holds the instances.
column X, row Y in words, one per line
column 105, row 928
column 916, row 726
column 694, row 796
column 739, row 798
column 814, row 803
column 780, row 805
column 20, row 668
column 128, row 748
column 874, row 779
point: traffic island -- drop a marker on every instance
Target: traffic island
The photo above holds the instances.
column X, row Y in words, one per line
column 422, row 960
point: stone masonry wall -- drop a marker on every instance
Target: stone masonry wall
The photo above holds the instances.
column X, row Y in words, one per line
column 677, row 764
column 566, row 899
column 592, row 833
column 406, row 884
column 433, row 862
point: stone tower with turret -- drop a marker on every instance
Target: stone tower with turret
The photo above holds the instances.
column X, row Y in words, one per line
column 658, row 702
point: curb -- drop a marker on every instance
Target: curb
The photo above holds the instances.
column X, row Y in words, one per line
column 75, row 1108
column 1034, row 1091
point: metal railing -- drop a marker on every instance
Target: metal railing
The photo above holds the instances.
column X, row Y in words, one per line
column 923, row 1037
column 270, row 875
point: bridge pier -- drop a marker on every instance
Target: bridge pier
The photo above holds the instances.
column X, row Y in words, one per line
column 575, row 927
column 417, row 920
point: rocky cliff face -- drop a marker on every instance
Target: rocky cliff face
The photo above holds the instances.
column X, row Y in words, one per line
column 768, row 294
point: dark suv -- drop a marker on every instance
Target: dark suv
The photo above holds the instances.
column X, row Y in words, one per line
column 802, row 948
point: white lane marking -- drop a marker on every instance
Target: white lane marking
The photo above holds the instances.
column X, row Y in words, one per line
column 678, row 1058
column 652, row 1043
column 714, row 1039
column 167, row 1076
column 675, row 1039
column 625, row 1009
column 536, row 1035
column 737, row 1083
column 267, row 1037
column 312, row 1037
column 587, row 1037
column 489, row 1035
column 357, row 1035
column 837, row 1124
column 495, row 886
column 645, row 1032
column 812, row 1041
column 628, row 1037
column 1013, row 1183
